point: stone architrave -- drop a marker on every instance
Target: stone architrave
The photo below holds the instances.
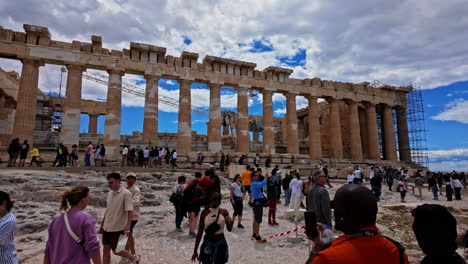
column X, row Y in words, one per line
column 70, row 130
column 150, row 121
column 25, row 117
column 389, row 134
column 268, row 131
column 184, row 127
column 354, row 131
column 403, row 139
column 242, row 120
column 93, row 123
column 214, row 125
column 336, row 142
column 113, row 114
column 291, row 124
column 315, row 141
column 372, row 132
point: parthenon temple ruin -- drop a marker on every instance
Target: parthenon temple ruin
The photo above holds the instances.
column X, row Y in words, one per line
column 344, row 122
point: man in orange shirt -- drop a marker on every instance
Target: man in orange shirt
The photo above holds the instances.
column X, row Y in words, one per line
column 246, row 178
column 355, row 211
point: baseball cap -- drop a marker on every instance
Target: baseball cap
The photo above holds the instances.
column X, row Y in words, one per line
column 131, row 174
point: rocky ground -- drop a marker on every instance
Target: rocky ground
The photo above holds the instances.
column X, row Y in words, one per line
column 157, row 240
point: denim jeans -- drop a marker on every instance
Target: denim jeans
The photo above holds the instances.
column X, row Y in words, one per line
column 448, row 192
column 87, row 158
column 179, row 215
column 435, row 191
column 287, row 196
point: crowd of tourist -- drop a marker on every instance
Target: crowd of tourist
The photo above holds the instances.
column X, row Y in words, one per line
column 72, row 236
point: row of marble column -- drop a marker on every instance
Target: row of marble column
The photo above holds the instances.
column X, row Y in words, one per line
column 26, row 109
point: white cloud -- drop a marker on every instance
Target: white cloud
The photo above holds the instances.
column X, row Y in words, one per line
column 170, row 82
column 280, row 111
column 460, row 165
column 444, row 154
column 448, row 160
column 278, row 97
column 456, row 110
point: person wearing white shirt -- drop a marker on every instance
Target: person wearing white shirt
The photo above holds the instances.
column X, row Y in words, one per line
column 124, row 155
column 296, row 186
column 457, row 186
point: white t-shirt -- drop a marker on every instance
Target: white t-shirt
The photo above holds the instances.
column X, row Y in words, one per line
column 350, row 177
column 125, row 151
column 174, row 155
column 296, row 187
column 357, row 173
column 237, row 189
column 146, row 153
column 161, row 153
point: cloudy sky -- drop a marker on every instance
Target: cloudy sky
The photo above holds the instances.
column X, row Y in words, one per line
column 395, row 42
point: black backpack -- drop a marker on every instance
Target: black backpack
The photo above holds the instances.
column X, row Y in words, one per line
column 176, row 197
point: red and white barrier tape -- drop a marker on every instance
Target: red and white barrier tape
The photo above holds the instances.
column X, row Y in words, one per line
column 287, row 233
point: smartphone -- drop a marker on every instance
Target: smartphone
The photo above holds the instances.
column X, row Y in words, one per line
column 310, row 224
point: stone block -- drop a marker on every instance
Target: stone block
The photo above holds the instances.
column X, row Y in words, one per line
column 96, row 42
column 116, row 53
column 134, row 54
column 86, row 47
column 44, row 41
column 9, row 35
column 76, row 45
column 186, row 62
column 144, row 56
column 20, row 37
column 153, row 57
column 2, row 33
column 170, row 60
column 178, row 62
column 126, row 53
column 32, row 38
column 105, row 52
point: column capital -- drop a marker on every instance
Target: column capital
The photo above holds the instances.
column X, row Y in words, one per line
column 290, row 94
column 151, row 77
column 120, row 72
column 351, row 101
column 33, row 61
column 185, row 81
column 94, row 114
column 369, row 104
column 215, row 85
column 311, row 97
column 75, row 67
column 267, row 91
column 332, row 99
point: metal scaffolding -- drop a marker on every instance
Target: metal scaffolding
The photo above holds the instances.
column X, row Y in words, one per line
column 416, row 127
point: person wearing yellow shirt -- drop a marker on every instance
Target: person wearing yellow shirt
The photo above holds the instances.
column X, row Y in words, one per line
column 246, row 178
column 34, row 157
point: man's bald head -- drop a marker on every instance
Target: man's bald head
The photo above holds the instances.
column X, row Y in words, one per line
column 355, row 208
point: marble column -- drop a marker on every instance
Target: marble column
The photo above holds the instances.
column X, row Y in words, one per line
column 93, row 123
column 184, row 127
column 268, row 130
column 354, row 131
column 70, row 130
column 113, row 114
column 291, row 124
column 315, row 141
column 336, row 142
column 242, row 130
column 403, row 137
column 150, row 120
column 389, row 134
column 25, row 116
column 372, row 133
column 214, row 125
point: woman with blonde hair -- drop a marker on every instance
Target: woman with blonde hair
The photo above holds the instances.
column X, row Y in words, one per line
column 72, row 235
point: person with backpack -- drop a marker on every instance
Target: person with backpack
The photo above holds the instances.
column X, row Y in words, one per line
column 73, row 157
column 176, row 200
column 192, row 201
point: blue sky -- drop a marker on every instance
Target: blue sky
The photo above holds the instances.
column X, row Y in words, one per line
column 395, row 42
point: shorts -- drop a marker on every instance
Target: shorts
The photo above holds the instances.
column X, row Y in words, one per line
column 192, row 209
column 258, row 212
column 238, row 206
column 111, row 239
column 23, row 155
column 14, row 155
column 132, row 225
column 247, row 189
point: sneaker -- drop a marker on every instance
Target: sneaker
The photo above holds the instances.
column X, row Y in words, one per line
column 240, row 226
column 178, row 229
column 260, row 239
column 275, row 223
column 192, row 234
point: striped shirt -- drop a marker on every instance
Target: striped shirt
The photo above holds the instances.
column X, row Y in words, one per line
column 7, row 239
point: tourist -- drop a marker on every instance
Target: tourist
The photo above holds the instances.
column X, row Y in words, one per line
column 146, row 155
column 372, row 172
column 257, row 206
column 124, row 156
column 215, row 178
column 214, row 249
column 102, row 156
column 135, row 191
column 357, row 175
column 256, row 161
column 13, row 152
column 88, row 153
column 222, row 161
column 268, row 161
column 24, row 149
column 376, row 185
column 63, row 157
column 457, row 186
column 200, row 159
column 390, row 177
column 176, row 199
column 436, row 231
column 72, row 235
column 318, row 201
column 419, row 183
column 73, row 156
column 355, row 214
column 287, row 192
column 160, row 156
column 97, row 155
column 246, row 179
column 132, row 157
column 402, row 188
column 448, row 186
column 350, row 177
column 167, row 156
column 440, row 182
column 117, row 219
column 237, row 196
column 58, row 155
column 35, row 156
column 7, row 230
column 272, row 195
column 296, row 186
column 174, row 159
column 432, row 185
column 192, row 201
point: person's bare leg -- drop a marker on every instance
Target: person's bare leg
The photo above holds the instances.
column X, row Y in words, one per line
column 125, row 254
column 239, row 221
column 130, row 244
column 106, row 257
